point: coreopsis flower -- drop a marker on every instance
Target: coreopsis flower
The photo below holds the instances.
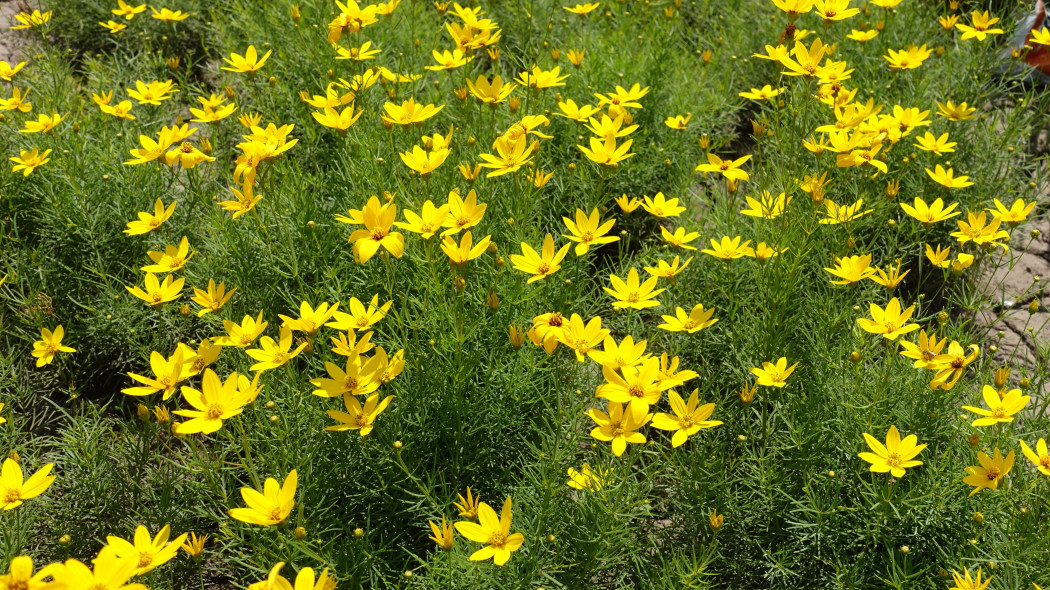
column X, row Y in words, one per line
column 213, row 299
column 728, row 168
column 449, row 60
column 492, row 530
column 953, row 112
column 216, row 402
column 939, row 257
column 834, row 10
column 638, row 385
column 427, row 222
column 607, row 127
column 1001, row 408
column 697, row 319
column 624, row 98
column 111, row 572
column 468, row 507
column 213, row 109
column 633, row 294
column 249, row 63
column 356, row 416
column 680, row 238
column 668, row 271
column 801, row 61
column 586, row 478
column 618, row 427
column 465, row 251
column 891, row 277
column 540, row 266
column 470, row 174
column 541, row 80
column 907, row 59
column 981, row 27
column 837, row 214
column 168, row 373
column 462, row 213
column 767, row 206
column 978, row 230
column 14, row 488
column 146, row 552
column 128, row 11
column 989, row 471
column 582, row 9
column 441, row 535
column 422, row 161
column 607, row 153
column 669, row 375
column 121, row 110
column 793, row 8
column 1017, row 213
column 351, row 19
column 575, row 57
column 17, row 102
column 22, row 575
column 50, row 344
column 7, row 71
column 764, row 93
column 360, row 317
column 166, row 15
column 862, row 36
column 304, row 580
column 925, row 351
column 628, row 205
column 539, row 179
column 511, row 154
column 582, row 337
column 377, row 219
column 310, row 319
column 2, row 419
column 728, row 248
column 615, row 356
column 895, row 456
column 965, row 582
column 362, row 53
column 29, row 160
column 408, row 112
column 157, row 293
column 359, row 377
column 243, row 200
column 947, row 178
column 113, row 26
column 661, row 207
column 852, row 269
column 569, row 110
column 275, row 353
column 678, row 122
column 688, row 418
column 241, row 335
column 890, row 322
column 938, row 145
column 774, row 375
column 195, row 361
column 153, row 93
column 1040, row 458
column 272, row 506
column 490, row 93
column 171, row 259
column 951, row 365
column 31, row 20
column 764, row 252
column 43, row 124
column 348, row 344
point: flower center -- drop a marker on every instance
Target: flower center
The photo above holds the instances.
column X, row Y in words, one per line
column 497, row 540
column 275, row 515
column 543, row 268
column 145, row 558
column 636, row 391
column 378, row 234
column 214, row 411
column 993, row 473
column 894, row 460
column 12, row 495
column 928, row 355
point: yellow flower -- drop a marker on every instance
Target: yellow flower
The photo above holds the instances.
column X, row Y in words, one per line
column 688, row 418
column 617, row 356
column 793, row 8
column 633, row 294
column 951, row 365
column 50, row 343
column 422, row 161
column 938, row 145
column 168, row 16
column 582, row 9
column 213, row 299
column 128, row 11
column 1017, row 213
column 43, row 124
column 624, row 98
column 862, row 36
column 890, row 322
column 270, row 507
column 310, row 319
column 537, row 265
column 1041, row 459
column 351, row 19
column 28, row 161
column 774, row 375
column 243, row 202
column 588, row 230
column 377, row 219
column 111, row 572
column 273, row 354
column 541, row 80
column 1039, row 36
column 606, row 152
column 194, row 546
column 907, row 59
column 442, row 535
column 834, row 10
column 981, row 28
column 187, row 156
column 362, row 53
column 152, row 93
column 356, row 416
column 925, row 352
column 953, row 112
column 680, row 238
column 249, row 63
column 465, row 251
column 491, row 93
column 241, row 335
column 947, row 178
column 668, row 271
column 427, row 222
column 697, row 319
column 729, row 168
column 463, row 213
column 214, row 403
column 895, row 456
column 1001, row 408
column 147, row 552
column 582, row 338
column 929, row 214
column 678, row 122
column 569, row 110
column 852, row 269
column 586, row 478
column 729, row 248
column 468, row 507
column 31, row 20
column 769, row 207
column 17, row 102
column 890, row 279
column 449, row 60
column 861, row 157
column 575, row 57
column 121, row 110
column 7, row 71
column 492, row 530
column 171, row 259
column 512, row 154
column 976, row 229
column 113, row 26
column 618, row 427
column 21, row 575
column 659, row 206
column 408, row 112
column 968, row 583
column 14, row 488
column 836, row 214
column 989, row 471
column 764, row 251
column 764, row 93
column 360, row 317
column 168, row 373
column 627, row 205
column 610, row 128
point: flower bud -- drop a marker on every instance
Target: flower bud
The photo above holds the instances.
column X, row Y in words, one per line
column 1033, row 307
column 64, row 540
column 142, row 412
column 397, row 446
column 978, row 517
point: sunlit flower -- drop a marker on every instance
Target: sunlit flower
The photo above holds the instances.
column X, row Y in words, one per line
column 895, row 456
column 989, row 471
column 270, row 507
